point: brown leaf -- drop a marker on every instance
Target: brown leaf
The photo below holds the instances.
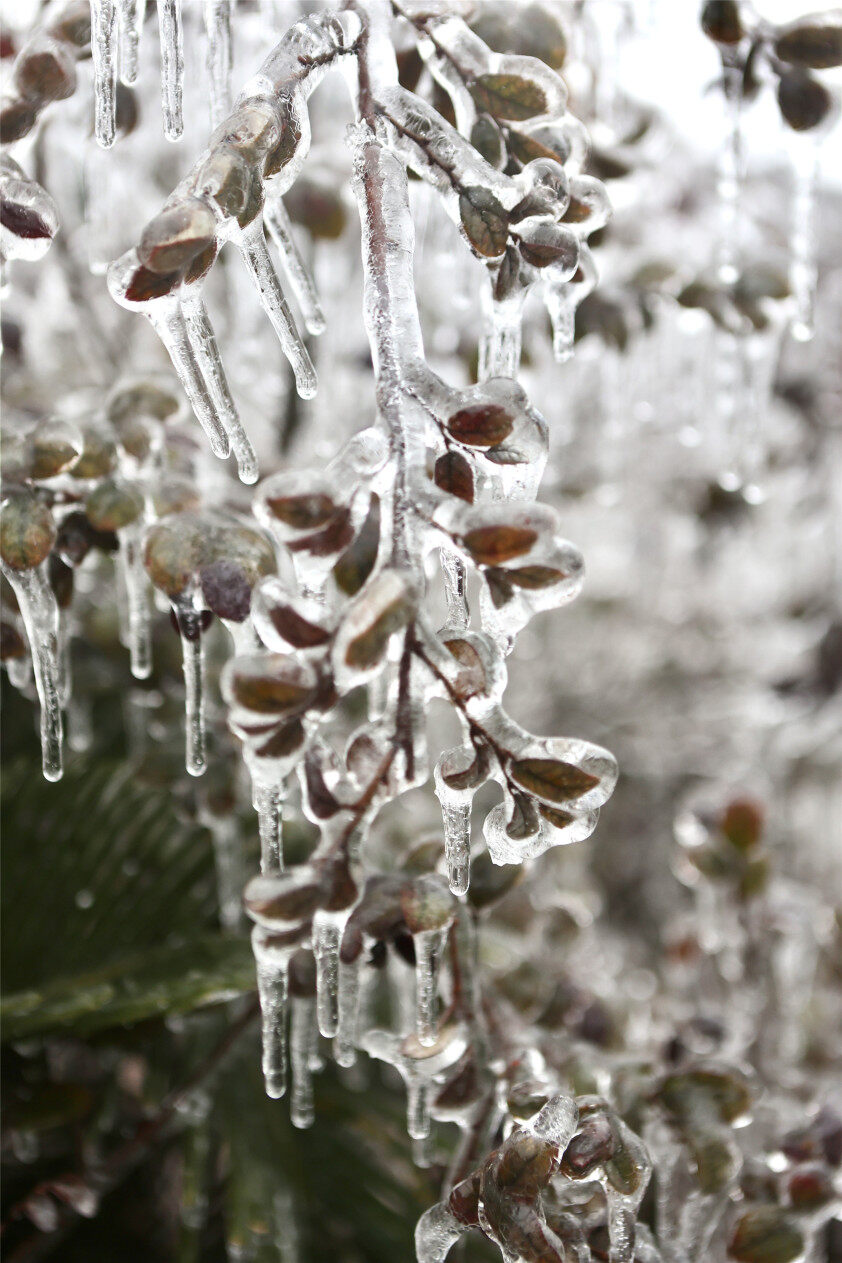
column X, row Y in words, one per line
column 480, row 425
column 559, row 819
column 814, row 43
column 532, row 577
column 484, row 221
column 543, row 244
column 270, row 693
column 720, row 21
column 322, row 802
column 471, row 679
column 765, row 1234
column 283, row 742
column 525, row 1165
column 367, row 648
column 329, row 540
column 552, row 779
column 302, row 513
column 453, row 474
column 146, row 285
column 357, row 562
column 491, row 545
column 498, row 586
column 527, row 147
column 508, row 96
column 803, row 101
column 487, row 139
column 297, row 630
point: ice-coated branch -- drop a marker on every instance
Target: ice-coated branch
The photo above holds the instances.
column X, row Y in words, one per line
column 255, row 154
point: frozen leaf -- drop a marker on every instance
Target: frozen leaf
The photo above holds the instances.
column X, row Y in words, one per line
column 295, row 629
column 553, row 779
column 487, row 139
column 531, row 577
column 471, row 679
column 705, row 1094
column 226, row 590
column 357, row 562
column 542, row 244
column 302, row 513
column 113, row 505
column 557, row 818
column 173, row 238
column 525, row 1165
column 803, row 101
column 427, row 904
column 270, row 684
column 45, row 71
column 590, row 1148
column 27, row 531
column 493, row 545
column 480, row 425
column 384, row 608
column 508, row 96
column 813, row 42
column 765, row 1234
column 453, row 474
column 54, row 448
column 484, row 221
column 721, row 21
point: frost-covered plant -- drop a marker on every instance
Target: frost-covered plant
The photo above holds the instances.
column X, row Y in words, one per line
column 592, row 1124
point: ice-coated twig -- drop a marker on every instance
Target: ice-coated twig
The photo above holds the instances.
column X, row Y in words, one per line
column 278, row 222
column 40, row 614
column 172, row 67
column 252, row 245
column 130, row 15
column 217, row 15
column 103, row 49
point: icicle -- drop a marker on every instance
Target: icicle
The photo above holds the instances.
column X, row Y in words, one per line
column 561, row 306
column 269, row 805
column 302, row 1039
column 417, row 1107
column 130, row 14
column 455, row 576
column 252, row 245
column 803, row 273
column 218, row 28
column 730, row 172
column 272, row 989
column 621, row 1226
column 499, row 350
column 327, row 936
column 130, row 560
column 172, row 66
column 203, row 344
column 456, row 819
column 39, row 611
column 193, row 652
column 169, row 322
column 429, row 945
column 344, row 1049
column 278, row 222
column 103, row 48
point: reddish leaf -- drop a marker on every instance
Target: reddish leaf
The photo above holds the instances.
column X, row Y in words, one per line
column 508, row 96
column 453, row 474
column 484, row 221
column 480, row 425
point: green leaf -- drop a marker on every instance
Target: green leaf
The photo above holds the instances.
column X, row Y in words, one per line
column 109, row 904
column 508, row 96
column 553, row 779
